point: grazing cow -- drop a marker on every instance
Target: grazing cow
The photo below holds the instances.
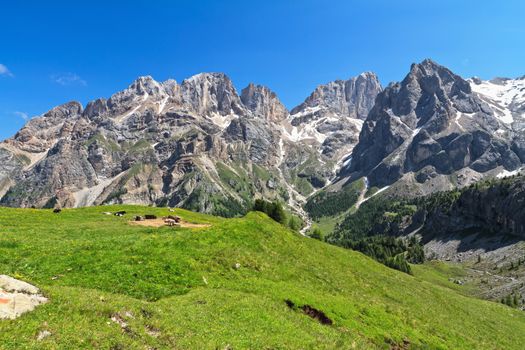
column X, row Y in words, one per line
column 139, row 218
column 150, row 217
column 57, row 210
column 171, row 222
column 173, row 217
column 120, row 213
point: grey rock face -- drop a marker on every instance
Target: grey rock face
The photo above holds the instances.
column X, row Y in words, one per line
column 200, row 145
column 211, row 92
column 263, row 102
column 353, row 98
column 431, row 123
column 196, row 144
column 334, row 113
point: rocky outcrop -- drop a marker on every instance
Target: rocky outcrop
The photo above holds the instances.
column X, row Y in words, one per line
column 196, row 144
column 200, row 144
column 18, row 297
column 264, row 103
column 429, row 130
column 333, row 114
column 352, row 98
column 493, row 208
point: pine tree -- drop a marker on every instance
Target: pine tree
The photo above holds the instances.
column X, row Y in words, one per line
column 277, row 212
column 260, row 205
column 316, row 234
column 294, row 223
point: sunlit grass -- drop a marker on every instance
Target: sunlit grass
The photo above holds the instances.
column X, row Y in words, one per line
column 180, row 288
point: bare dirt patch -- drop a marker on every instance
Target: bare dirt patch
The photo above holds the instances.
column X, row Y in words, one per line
column 160, row 223
column 314, row 313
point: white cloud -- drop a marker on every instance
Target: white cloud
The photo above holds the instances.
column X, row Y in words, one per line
column 68, row 79
column 22, row 115
column 5, row 71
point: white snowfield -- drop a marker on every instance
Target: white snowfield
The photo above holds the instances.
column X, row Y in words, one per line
column 505, row 173
column 503, row 95
column 309, row 130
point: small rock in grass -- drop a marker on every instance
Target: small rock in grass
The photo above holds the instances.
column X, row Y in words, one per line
column 119, row 320
column 42, row 335
column 18, row 297
column 152, row 331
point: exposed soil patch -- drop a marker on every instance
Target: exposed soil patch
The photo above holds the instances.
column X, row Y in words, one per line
column 160, row 223
column 152, row 331
column 118, row 319
column 317, row 314
column 312, row 312
column 405, row 345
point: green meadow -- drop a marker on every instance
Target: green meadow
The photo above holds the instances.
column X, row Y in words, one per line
column 113, row 285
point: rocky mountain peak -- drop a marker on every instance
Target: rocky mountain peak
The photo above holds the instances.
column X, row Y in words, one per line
column 72, row 108
column 353, row 97
column 429, row 127
column 211, row 93
column 95, row 108
column 146, row 85
column 57, row 115
column 263, row 102
column 333, row 114
column 433, row 78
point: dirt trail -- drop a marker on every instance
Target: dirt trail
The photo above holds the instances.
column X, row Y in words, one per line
column 160, row 223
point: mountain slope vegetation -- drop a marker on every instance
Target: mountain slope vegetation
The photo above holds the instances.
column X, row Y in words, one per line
column 236, row 283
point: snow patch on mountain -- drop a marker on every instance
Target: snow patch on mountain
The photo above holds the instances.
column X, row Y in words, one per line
column 504, row 95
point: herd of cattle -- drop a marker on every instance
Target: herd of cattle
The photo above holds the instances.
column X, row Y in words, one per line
column 170, row 220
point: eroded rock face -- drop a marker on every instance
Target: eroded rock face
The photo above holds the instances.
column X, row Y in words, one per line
column 197, row 144
column 264, row 103
column 431, row 127
column 353, row 98
column 18, row 297
column 201, row 145
column 333, row 114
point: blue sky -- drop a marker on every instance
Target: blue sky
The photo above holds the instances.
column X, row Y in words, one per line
column 52, row 52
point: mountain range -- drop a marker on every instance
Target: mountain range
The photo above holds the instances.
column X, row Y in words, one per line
column 201, row 145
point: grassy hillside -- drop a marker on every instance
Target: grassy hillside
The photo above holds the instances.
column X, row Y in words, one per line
column 180, row 288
